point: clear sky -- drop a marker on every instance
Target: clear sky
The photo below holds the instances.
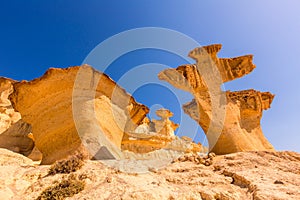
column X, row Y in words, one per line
column 36, row 35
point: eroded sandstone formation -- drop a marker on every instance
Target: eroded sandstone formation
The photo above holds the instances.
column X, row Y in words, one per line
column 158, row 134
column 65, row 102
column 7, row 114
column 13, row 130
column 151, row 135
column 231, row 120
column 165, row 126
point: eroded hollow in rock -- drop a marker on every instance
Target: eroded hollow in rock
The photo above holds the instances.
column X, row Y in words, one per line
column 63, row 114
column 13, row 130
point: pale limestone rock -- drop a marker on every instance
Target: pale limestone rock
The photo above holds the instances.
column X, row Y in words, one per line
column 194, row 147
column 238, row 176
column 13, row 130
column 144, row 127
column 184, row 145
column 65, row 101
column 236, row 124
column 7, row 114
column 9, row 158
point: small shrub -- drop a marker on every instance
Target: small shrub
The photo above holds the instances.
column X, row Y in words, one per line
column 66, row 188
column 71, row 164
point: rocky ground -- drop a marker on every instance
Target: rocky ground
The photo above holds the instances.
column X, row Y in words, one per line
column 247, row 175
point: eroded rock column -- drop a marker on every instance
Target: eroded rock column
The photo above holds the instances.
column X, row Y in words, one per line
column 238, row 129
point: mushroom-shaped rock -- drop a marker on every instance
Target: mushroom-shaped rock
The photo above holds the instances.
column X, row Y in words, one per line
column 152, row 135
column 164, row 126
column 76, row 109
column 164, row 113
column 231, row 120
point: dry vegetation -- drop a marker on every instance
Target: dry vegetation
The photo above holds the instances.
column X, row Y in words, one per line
column 72, row 164
column 65, row 188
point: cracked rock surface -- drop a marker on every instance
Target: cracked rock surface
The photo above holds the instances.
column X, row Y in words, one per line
column 239, row 176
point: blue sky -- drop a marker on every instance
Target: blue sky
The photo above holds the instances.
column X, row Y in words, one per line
column 36, row 35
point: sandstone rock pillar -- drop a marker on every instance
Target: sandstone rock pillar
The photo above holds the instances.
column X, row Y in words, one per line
column 236, row 124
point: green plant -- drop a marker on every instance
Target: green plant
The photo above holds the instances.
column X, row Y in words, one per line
column 71, row 164
column 65, row 188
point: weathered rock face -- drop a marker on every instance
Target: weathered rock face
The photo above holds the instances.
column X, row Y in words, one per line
column 151, row 135
column 239, row 112
column 165, row 126
column 16, row 139
column 13, row 130
column 48, row 104
column 238, row 176
column 157, row 135
column 7, row 114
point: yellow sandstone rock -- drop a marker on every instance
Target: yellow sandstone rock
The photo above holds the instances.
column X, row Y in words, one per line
column 158, row 134
column 236, row 124
column 48, row 104
column 165, row 126
column 151, row 135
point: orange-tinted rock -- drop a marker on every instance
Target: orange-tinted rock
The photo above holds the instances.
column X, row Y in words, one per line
column 48, row 104
column 155, row 135
column 164, row 126
column 231, row 120
column 151, row 135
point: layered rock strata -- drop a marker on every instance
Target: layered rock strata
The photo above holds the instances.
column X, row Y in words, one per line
column 74, row 109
